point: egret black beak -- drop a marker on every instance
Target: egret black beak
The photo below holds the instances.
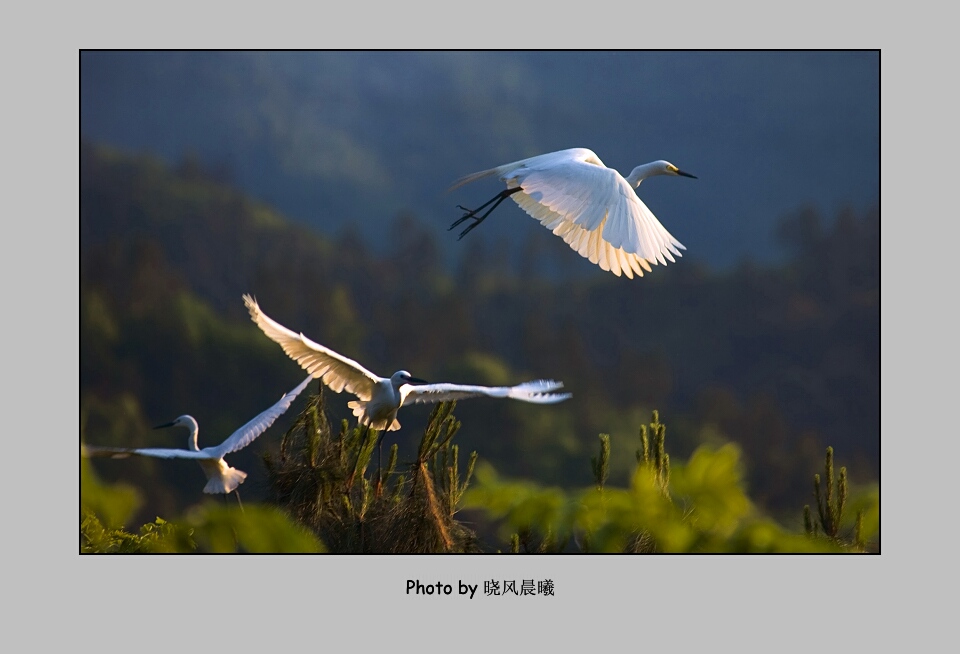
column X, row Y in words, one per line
column 683, row 174
column 168, row 424
column 414, row 380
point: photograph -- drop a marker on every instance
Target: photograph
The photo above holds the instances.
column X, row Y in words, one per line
column 529, row 304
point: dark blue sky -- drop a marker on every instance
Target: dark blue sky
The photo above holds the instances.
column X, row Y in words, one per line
column 335, row 139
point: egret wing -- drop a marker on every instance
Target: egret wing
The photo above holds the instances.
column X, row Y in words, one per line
column 158, row 452
column 539, row 161
column 250, row 431
column 538, row 392
column 601, row 202
column 337, row 371
column 606, row 256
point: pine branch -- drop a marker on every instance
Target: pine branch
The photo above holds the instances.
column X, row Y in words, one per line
column 601, row 464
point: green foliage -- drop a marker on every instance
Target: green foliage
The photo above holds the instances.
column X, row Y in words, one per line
column 322, row 480
column 698, row 507
column 654, row 455
column 320, row 477
column 113, row 504
column 831, row 503
column 105, row 508
column 158, row 536
column 209, row 527
column 601, row 463
column 255, row 529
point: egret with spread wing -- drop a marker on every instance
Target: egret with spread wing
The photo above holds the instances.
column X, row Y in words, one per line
column 379, row 398
column 592, row 208
column 221, row 478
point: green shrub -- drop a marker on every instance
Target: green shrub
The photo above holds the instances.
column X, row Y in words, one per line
column 321, row 478
column 697, row 506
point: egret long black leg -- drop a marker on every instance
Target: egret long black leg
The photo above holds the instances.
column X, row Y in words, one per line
column 237, row 493
column 380, row 455
column 472, row 213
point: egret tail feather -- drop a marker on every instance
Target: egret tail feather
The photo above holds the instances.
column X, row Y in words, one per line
column 227, row 482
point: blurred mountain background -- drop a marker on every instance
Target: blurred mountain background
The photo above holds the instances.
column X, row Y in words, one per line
column 316, row 181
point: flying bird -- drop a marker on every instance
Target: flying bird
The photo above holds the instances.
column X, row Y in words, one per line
column 379, row 398
column 594, row 209
column 221, row 478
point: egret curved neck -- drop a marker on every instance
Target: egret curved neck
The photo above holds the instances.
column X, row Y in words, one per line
column 640, row 173
column 192, row 438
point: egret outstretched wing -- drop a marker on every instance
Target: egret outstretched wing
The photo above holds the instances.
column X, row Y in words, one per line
column 601, row 202
column 337, row 371
column 236, row 441
column 538, row 392
column 158, row 452
column 221, row 478
column 587, row 244
column 379, row 399
column 250, row 431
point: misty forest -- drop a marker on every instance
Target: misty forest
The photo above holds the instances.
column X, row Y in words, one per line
column 729, row 407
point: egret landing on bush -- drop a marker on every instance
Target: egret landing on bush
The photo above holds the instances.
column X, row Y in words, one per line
column 379, row 398
column 221, row 478
column 591, row 207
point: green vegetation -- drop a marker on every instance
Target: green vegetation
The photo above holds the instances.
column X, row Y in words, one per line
column 208, row 527
column 322, row 481
column 830, row 509
column 699, row 506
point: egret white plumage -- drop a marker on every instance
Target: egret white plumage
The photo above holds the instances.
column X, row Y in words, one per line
column 221, row 478
column 592, row 208
column 379, row 398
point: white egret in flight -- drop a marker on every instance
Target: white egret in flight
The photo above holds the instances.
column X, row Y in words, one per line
column 592, row 208
column 221, row 478
column 379, row 398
